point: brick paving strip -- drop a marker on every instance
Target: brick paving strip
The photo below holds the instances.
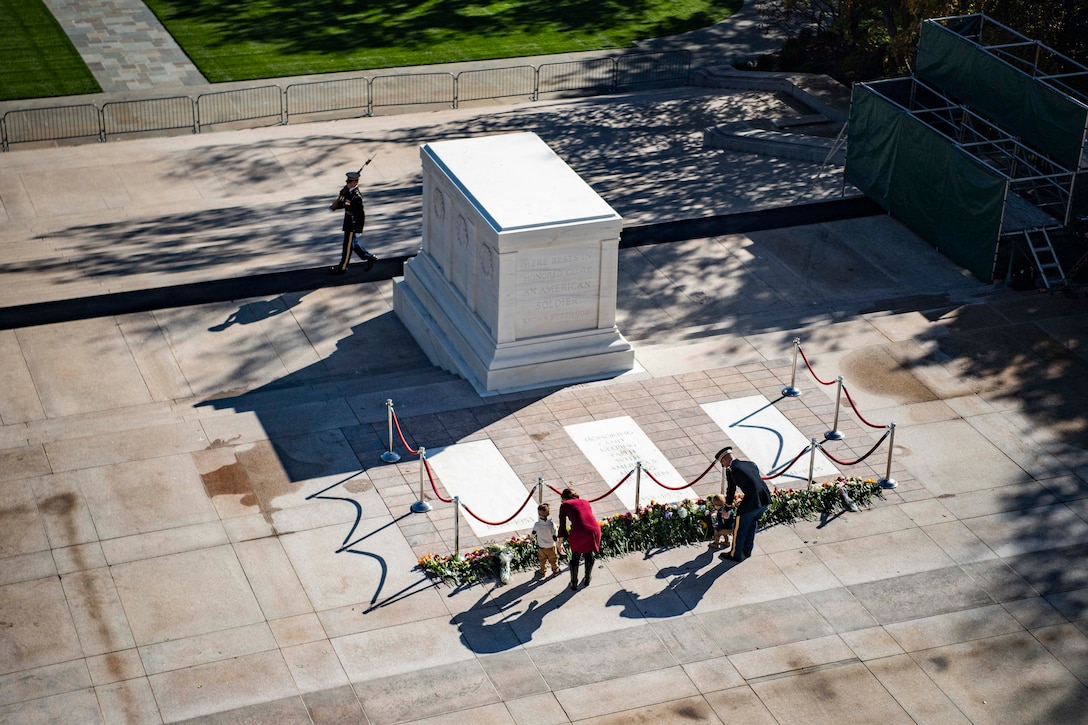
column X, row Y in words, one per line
column 125, row 45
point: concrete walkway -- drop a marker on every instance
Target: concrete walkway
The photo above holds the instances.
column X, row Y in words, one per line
column 125, row 45
column 197, row 526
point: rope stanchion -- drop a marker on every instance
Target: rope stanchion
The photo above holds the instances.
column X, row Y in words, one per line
column 421, row 506
column 812, row 460
column 434, row 486
column 638, row 481
column 539, row 490
column 611, row 490
column 400, row 433
column 456, row 527
column 867, row 453
column 887, row 481
column 813, row 372
column 791, row 390
column 504, row 521
column 858, row 412
column 389, row 456
column 835, row 434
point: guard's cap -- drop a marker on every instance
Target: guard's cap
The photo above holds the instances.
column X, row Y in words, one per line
column 727, row 451
column 353, row 176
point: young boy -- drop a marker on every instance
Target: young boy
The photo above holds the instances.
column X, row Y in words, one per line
column 721, row 522
column 547, row 548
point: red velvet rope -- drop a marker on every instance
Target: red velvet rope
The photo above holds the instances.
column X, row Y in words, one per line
column 430, row 475
column 399, row 433
column 594, row 500
column 858, row 412
column 504, row 521
column 554, row 489
column 867, row 453
column 677, row 488
column 809, row 366
column 789, row 465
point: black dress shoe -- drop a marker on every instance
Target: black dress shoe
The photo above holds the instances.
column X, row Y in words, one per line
column 370, row 260
column 337, row 270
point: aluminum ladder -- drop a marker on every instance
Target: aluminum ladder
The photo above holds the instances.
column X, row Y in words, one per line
column 1046, row 261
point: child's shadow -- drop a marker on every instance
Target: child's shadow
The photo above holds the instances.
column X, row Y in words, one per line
column 509, row 625
column 679, row 595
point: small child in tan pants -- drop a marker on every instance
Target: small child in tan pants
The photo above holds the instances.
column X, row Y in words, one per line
column 547, row 548
column 721, row 522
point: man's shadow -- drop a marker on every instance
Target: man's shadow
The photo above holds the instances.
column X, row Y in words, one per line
column 259, row 310
column 512, row 623
column 680, row 595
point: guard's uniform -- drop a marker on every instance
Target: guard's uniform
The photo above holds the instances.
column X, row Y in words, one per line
column 351, row 201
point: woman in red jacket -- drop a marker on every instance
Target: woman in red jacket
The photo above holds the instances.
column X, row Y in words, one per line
column 580, row 528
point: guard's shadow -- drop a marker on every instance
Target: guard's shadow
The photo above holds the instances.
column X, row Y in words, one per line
column 509, row 619
column 687, row 585
column 259, row 310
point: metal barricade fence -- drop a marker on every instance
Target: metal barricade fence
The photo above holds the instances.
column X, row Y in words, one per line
column 645, row 68
column 52, row 124
column 596, row 75
column 245, row 104
column 475, row 85
column 412, row 90
column 156, row 114
column 577, row 75
column 323, row 96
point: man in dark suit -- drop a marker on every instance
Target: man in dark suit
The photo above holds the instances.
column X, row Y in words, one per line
column 351, row 201
column 744, row 475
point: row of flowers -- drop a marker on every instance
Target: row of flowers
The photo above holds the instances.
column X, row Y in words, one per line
column 655, row 526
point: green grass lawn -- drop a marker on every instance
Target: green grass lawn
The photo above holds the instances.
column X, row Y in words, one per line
column 232, row 40
column 36, row 58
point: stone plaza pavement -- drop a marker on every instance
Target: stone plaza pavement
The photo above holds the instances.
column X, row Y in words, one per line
column 196, row 524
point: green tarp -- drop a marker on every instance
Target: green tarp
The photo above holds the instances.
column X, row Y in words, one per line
column 1043, row 117
column 946, row 196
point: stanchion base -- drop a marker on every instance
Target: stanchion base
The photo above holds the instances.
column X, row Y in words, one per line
column 887, row 482
column 390, row 457
column 791, row 392
column 833, row 435
column 420, row 507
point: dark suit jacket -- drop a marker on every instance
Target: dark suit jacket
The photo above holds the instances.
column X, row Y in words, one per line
column 745, row 475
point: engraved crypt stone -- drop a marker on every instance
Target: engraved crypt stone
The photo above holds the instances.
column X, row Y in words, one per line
column 515, row 284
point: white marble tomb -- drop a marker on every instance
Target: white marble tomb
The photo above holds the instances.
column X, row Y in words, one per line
column 515, row 284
